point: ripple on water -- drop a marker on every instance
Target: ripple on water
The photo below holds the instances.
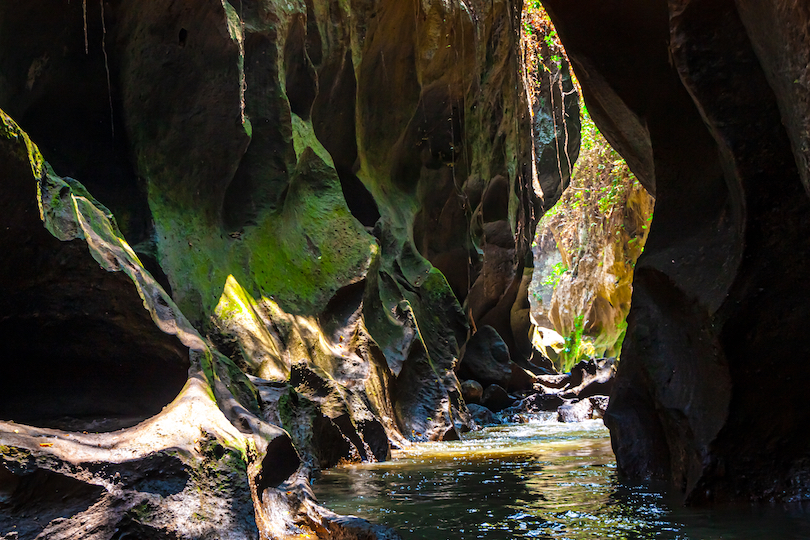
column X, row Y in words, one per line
column 537, row 480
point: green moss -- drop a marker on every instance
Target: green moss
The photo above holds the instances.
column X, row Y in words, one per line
column 13, row 453
column 222, row 467
column 298, row 255
column 142, row 512
column 303, row 254
column 286, row 409
column 304, row 137
column 11, row 130
column 234, row 22
column 237, row 382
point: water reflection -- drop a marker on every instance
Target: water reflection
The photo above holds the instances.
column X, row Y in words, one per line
column 539, row 480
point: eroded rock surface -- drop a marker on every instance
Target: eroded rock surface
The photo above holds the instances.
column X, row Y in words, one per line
column 305, row 195
column 707, row 101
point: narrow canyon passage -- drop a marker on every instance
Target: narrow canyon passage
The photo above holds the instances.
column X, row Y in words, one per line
column 247, row 241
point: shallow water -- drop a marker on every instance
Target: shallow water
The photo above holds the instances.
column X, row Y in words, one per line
column 536, row 480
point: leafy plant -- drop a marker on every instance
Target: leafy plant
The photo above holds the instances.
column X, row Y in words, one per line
column 571, row 353
column 553, row 279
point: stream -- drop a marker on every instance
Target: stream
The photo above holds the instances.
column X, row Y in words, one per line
column 535, row 480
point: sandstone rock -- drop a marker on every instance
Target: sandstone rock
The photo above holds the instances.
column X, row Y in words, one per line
column 471, row 391
column 194, row 442
column 547, row 341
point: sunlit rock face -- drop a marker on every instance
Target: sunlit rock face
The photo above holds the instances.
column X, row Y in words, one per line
column 238, row 240
column 707, row 101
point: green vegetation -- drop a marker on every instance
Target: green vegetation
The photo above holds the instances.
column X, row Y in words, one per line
column 600, row 225
column 553, row 279
column 573, row 351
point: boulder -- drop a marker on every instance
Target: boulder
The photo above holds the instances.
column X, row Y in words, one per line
column 587, row 378
column 471, row 391
column 496, row 398
column 486, row 359
column 591, row 377
column 482, row 415
column 522, row 380
column 600, row 405
column 541, row 402
column 575, row 411
column 542, row 363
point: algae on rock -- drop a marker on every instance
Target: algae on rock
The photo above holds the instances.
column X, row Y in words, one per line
column 325, row 193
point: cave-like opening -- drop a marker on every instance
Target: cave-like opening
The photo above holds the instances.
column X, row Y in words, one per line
column 77, row 348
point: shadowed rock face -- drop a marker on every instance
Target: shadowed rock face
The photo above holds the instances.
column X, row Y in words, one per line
column 304, row 194
column 707, row 101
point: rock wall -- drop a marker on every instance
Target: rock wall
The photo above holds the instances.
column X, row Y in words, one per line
column 585, row 251
column 707, row 101
column 311, row 199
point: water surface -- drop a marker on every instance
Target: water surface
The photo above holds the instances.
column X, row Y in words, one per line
column 536, row 480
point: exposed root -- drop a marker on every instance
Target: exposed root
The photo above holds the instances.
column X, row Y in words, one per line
column 84, row 16
column 106, row 64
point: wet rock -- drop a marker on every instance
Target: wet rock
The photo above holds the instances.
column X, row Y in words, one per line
column 521, row 380
column 554, row 382
column 541, row 402
column 496, row 398
column 534, row 405
column 587, row 378
column 281, row 288
column 711, row 328
column 541, row 362
column 600, row 405
column 486, row 358
column 482, row 415
column 591, row 377
column 451, row 435
column 575, row 411
column 472, row 391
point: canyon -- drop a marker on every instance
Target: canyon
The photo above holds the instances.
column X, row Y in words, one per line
column 244, row 241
